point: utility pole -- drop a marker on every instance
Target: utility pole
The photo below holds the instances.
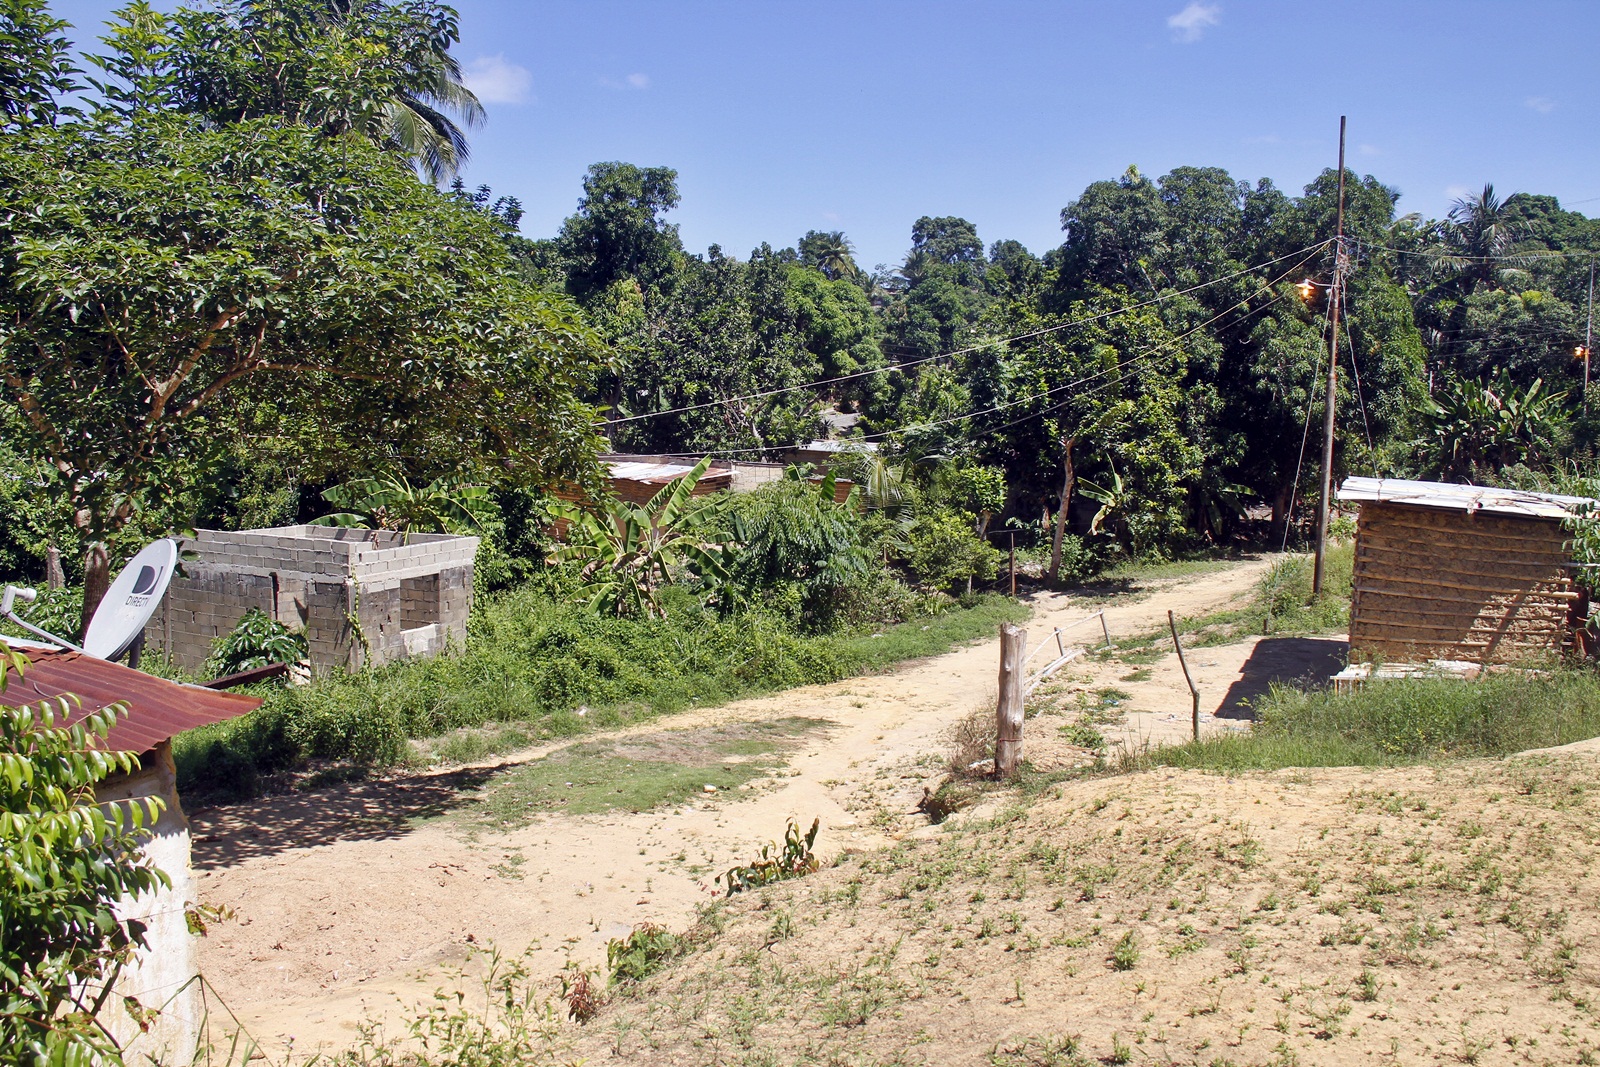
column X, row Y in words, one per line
column 1335, row 291
column 1588, row 338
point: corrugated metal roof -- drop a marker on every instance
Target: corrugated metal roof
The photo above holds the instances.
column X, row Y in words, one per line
column 660, row 471
column 157, row 709
column 1468, row 498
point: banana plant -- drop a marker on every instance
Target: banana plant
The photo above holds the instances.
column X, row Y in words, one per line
column 628, row 552
column 391, row 502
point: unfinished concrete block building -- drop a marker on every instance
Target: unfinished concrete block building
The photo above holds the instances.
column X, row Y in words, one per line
column 361, row 597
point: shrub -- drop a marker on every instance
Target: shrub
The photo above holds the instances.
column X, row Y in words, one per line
column 257, row 641
column 945, row 554
column 64, row 862
column 644, row 951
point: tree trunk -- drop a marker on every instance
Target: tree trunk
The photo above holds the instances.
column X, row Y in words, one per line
column 1067, row 480
column 1281, row 502
column 54, row 576
column 96, row 580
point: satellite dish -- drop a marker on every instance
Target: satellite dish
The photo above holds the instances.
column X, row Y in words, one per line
column 120, row 619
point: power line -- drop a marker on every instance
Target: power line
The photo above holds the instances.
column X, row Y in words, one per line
column 961, row 351
column 1050, row 391
column 1098, row 374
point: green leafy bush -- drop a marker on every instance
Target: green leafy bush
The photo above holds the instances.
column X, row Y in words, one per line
column 57, row 611
column 646, row 949
column 798, row 551
column 944, row 553
column 64, row 863
column 258, row 641
column 776, row 862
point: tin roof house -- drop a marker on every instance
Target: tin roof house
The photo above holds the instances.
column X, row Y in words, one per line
column 1462, row 573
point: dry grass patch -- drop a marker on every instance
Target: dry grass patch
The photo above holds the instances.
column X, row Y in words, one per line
column 1421, row 915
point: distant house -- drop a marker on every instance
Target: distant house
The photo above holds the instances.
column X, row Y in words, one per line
column 163, row 977
column 1460, row 572
column 635, row 479
column 826, row 453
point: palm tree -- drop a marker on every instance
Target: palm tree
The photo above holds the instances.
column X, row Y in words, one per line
column 416, row 122
column 831, row 253
column 369, row 67
column 1479, row 232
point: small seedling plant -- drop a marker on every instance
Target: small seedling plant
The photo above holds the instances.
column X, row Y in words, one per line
column 793, row 859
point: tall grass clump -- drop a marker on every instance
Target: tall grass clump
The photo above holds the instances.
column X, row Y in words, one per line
column 1402, row 721
column 550, row 669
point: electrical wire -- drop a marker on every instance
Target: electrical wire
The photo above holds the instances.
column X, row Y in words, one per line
column 970, row 348
column 1098, row 374
column 1032, row 396
column 1305, row 437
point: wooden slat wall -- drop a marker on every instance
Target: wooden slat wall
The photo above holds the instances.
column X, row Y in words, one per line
column 1435, row 584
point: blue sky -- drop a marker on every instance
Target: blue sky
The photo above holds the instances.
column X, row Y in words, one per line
column 781, row 118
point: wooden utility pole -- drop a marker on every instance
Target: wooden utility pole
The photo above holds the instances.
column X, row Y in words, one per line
column 1008, row 712
column 1588, row 337
column 1335, row 292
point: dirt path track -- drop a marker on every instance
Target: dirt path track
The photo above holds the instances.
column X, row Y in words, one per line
column 347, row 904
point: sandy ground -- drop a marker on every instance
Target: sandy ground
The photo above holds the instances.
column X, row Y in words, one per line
column 1405, row 916
column 353, row 899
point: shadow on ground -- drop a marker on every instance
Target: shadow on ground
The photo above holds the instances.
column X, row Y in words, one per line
column 1308, row 661
column 353, row 811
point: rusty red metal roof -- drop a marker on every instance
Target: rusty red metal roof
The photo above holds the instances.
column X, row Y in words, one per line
column 157, row 709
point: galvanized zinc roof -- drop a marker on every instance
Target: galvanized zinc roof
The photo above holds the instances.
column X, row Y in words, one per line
column 1468, row 498
column 157, row 709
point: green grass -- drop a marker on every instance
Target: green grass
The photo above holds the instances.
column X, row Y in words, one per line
column 1398, row 722
column 534, row 670
column 639, row 774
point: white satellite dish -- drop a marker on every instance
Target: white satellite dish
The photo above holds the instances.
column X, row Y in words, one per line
column 120, row 619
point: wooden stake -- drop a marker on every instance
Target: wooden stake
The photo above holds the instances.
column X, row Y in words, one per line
column 55, row 577
column 1008, row 712
column 1193, row 692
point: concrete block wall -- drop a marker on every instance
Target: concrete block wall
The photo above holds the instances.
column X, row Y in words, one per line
column 318, row 579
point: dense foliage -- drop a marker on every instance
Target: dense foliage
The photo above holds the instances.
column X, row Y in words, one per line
column 64, row 862
column 540, row 666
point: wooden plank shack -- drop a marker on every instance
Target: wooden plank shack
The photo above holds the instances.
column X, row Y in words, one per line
column 1459, row 572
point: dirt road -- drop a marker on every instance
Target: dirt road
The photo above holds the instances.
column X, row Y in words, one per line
column 352, row 899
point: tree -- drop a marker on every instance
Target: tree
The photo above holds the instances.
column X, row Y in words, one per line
column 377, row 69
column 65, row 861
column 35, row 71
column 830, row 253
column 155, row 274
column 618, row 232
column 392, row 502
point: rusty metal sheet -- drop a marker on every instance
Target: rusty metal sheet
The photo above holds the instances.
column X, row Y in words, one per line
column 157, row 709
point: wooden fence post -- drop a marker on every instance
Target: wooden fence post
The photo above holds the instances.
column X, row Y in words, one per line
column 1008, row 713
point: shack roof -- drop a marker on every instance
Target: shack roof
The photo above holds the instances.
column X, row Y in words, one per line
column 660, row 470
column 1467, row 498
column 157, row 709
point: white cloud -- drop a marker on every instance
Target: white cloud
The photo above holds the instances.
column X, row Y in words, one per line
column 632, row 81
column 1457, row 192
column 1542, row 104
column 639, row 81
column 1369, row 150
column 497, row 80
column 1190, row 24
